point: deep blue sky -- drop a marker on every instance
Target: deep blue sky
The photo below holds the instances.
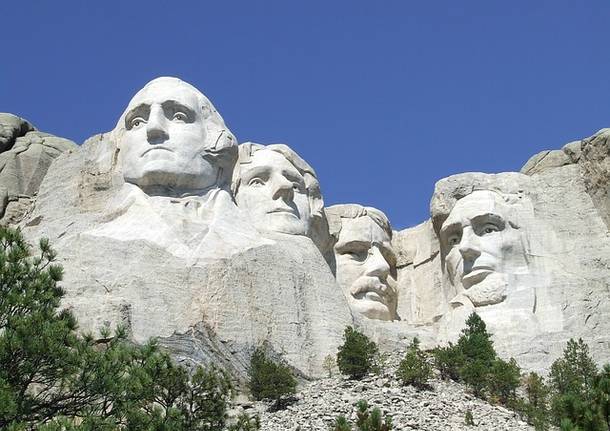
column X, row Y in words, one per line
column 382, row 98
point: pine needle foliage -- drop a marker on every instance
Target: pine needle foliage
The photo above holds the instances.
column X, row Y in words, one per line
column 366, row 420
column 578, row 391
column 268, row 379
column 357, row 355
column 476, row 347
column 414, row 369
column 52, row 378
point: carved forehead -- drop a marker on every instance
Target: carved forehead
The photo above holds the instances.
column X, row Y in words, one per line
column 248, row 150
column 340, row 214
column 476, row 204
column 273, row 159
column 361, row 229
column 162, row 89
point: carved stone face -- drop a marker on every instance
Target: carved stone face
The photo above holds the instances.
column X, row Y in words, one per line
column 273, row 193
column 482, row 247
column 165, row 139
column 366, row 268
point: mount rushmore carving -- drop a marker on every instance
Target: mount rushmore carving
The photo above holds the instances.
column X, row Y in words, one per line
column 169, row 227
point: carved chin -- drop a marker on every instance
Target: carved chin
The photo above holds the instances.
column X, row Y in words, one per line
column 161, row 175
column 283, row 223
column 491, row 290
column 371, row 308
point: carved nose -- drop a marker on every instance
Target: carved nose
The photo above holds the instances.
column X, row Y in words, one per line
column 283, row 189
column 469, row 245
column 376, row 265
column 156, row 129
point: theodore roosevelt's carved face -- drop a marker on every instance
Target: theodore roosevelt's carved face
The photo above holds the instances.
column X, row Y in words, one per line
column 274, row 194
column 165, row 138
column 482, row 246
column 366, row 268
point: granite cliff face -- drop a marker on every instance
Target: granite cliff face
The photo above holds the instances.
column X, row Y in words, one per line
column 527, row 251
column 169, row 227
column 25, row 157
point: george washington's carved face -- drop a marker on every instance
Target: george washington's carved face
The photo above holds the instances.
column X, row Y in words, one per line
column 482, row 246
column 165, row 138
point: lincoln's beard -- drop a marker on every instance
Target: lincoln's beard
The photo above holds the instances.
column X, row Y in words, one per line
column 489, row 291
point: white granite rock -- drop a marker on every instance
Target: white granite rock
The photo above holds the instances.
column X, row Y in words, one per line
column 528, row 254
column 147, row 242
column 365, row 263
column 25, row 156
column 167, row 226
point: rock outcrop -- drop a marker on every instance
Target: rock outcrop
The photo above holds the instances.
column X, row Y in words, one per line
column 592, row 155
column 527, row 251
column 169, row 227
column 25, row 157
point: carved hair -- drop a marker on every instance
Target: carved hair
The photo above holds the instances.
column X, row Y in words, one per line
column 511, row 188
column 351, row 211
column 247, row 150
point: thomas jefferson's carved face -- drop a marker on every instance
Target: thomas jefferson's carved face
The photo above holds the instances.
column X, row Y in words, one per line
column 482, row 247
column 366, row 268
column 272, row 191
column 164, row 141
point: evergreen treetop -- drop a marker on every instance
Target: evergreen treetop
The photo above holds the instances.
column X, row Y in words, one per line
column 356, row 356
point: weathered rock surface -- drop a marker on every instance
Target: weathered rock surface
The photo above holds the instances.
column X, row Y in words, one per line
column 151, row 239
column 25, row 156
column 420, row 290
column 443, row 407
column 233, row 292
column 592, row 156
column 551, row 280
column 159, row 232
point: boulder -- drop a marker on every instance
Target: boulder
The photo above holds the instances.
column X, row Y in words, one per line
column 25, row 157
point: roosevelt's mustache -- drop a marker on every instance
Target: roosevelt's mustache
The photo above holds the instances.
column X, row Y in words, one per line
column 385, row 288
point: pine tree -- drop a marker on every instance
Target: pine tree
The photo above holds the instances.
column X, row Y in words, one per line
column 536, row 407
column 38, row 346
column 357, row 354
column 602, row 394
column 503, row 380
column 365, row 420
column 268, row 379
column 414, row 368
column 476, row 347
column 341, row 424
column 448, row 360
column 52, row 379
column 575, row 371
column 573, row 378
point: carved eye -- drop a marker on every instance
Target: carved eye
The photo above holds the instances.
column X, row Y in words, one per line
column 297, row 187
column 256, row 182
column 136, row 122
column 357, row 255
column 490, row 228
column 453, row 240
column 180, row 116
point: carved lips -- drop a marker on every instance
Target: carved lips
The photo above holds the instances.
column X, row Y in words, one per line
column 475, row 275
column 371, row 288
column 156, row 147
column 283, row 210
